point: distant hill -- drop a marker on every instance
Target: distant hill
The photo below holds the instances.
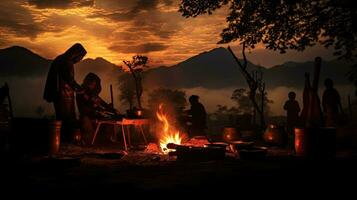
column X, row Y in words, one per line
column 213, row 70
column 217, row 69
column 99, row 66
column 19, row 61
column 212, row 75
column 291, row 74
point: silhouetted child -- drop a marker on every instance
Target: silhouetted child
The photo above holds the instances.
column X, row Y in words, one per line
column 331, row 103
column 292, row 108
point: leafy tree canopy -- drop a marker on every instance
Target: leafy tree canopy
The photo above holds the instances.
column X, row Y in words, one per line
column 285, row 24
column 244, row 105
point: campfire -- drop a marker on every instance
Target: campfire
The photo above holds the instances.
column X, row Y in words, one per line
column 168, row 133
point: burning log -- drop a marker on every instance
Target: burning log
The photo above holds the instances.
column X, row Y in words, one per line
column 189, row 153
column 175, row 146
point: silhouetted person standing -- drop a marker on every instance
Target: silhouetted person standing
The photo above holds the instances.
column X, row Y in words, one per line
column 60, row 88
column 292, row 108
column 198, row 117
column 331, row 103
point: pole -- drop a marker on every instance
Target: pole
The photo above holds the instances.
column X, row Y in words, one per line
column 111, row 95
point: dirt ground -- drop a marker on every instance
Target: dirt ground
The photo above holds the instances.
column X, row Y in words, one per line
column 90, row 171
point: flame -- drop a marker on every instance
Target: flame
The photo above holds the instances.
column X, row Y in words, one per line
column 168, row 134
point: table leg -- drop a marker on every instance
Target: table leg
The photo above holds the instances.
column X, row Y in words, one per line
column 96, row 132
column 123, row 132
column 115, row 130
column 128, row 132
column 142, row 132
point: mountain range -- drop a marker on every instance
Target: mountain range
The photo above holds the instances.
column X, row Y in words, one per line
column 213, row 69
column 213, row 75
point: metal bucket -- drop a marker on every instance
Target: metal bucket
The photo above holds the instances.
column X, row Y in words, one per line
column 54, row 136
column 316, row 142
column 274, row 135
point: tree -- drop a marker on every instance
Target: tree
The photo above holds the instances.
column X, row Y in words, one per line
column 174, row 100
column 285, row 24
column 244, row 105
column 136, row 67
column 254, row 82
column 223, row 113
column 241, row 98
column 127, row 91
column 282, row 25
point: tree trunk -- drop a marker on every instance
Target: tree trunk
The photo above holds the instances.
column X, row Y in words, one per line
column 253, row 85
column 138, row 93
column 137, row 84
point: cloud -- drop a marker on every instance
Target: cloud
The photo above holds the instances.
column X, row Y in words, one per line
column 141, row 48
column 126, row 13
column 168, row 2
column 146, row 5
column 61, row 4
column 129, row 14
column 16, row 20
column 113, row 28
column 143, row 15
column 161, row 25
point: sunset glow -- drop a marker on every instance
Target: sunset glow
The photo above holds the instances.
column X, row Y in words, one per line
column 117, row 30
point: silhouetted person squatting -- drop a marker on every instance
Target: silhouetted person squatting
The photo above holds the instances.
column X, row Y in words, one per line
column 292, row 108
column 91, row 106
column 87, row 108
column 198, row 117
column 60, row 88
column 331, row 103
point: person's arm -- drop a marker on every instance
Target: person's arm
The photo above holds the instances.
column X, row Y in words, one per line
column 68, row 77
column 285, row 105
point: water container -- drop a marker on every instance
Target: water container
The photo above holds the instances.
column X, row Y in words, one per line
column 54, row 136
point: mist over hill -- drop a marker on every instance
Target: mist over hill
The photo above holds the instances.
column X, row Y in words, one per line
column 213, row 75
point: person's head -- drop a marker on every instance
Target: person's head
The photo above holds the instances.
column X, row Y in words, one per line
column 193, row 99
column 92, row 83
column 328, row 83
column 292, row 95
column 76, row 53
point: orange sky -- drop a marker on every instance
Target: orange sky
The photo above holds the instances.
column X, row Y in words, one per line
column 119, row 29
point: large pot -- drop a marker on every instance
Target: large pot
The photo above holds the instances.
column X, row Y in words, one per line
column 230, row 134
column 274, row 135
column 317, row 142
